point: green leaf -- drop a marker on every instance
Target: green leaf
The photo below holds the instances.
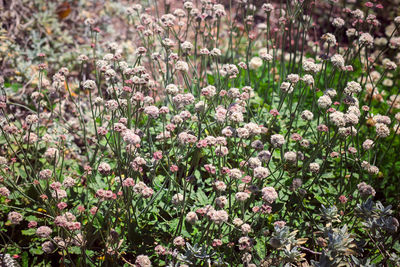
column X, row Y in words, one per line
column 319, row 198
column 31, row 218
column 74, row 250
column 14, row 86
column 25, row 259
column 201, row 198
column 36, row 251
column 28, row 232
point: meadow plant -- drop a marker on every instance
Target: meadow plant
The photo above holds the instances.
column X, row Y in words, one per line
column 235, row 134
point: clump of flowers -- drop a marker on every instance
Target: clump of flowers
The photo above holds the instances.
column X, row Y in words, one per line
column 249, row 136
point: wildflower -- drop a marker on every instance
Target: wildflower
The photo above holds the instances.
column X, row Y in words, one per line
column 338, row 118
column 351, row 32
column 143, row 261
column 51, row 154
column 233, row 93
column 308, row 79
column 186, row 138
column 221, row 201
column 204, row 51
column 217, row 242
column 296, row 184
column 182, row 66
column 264, row 155
column 229, row 70
column 160, row 250
column 219, row 216
column 257, row 145
column 357, row 13
column 366, row 39
column 102, row 131
column 277, row 140
column 4, row 191
column 264, row 55
column 59, row 194
column 382, row 119
column 45, row 174
column 269, row 194
column 351, row 118
column 55, row 185
column 255, row 63
column 352, row 88
column 246, row 228
column 387, row 82
column 11, row 129
column 220, row 186
column 110, row 73
column 242, row 196
column 287, row 87
column 172, row 89
column 365, row 190
column 337, row 61
column 177, row 199
column 182, row 100
column 200, row 106
column 242, row 132
column 237, row 222
column 314, row 167
column 30, row 138
column 267, row 7
column 93, row 210
column 261, row 173
column 81, row 208
column 324, row 102
column 307, row 115
column 209, row 91
column 382, row 130
column 157, row 155
column 130, row 137
column 179, row 241
column 128, row 182
column 305, row 143
column 82, row 58
column 322, row 128
column 221, row 151
column 167, row 20
column 343, row 199
column 15, row 217
column 31, row 119
column 390, row 65
column 219, row 10
column 152, row 111
column 111, row 105
column 290, row 157
column 215, row 52
column 44, row 231
column 48, row 247
column 104, row 168
column 244, row 243
column 188, row 5
column 191, row 217
column 310, row 66
column 371, row 169
column 105, row 194
column 329, row 38
column 338, row 22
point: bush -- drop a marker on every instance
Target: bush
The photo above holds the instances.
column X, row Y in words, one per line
column 223, row 140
